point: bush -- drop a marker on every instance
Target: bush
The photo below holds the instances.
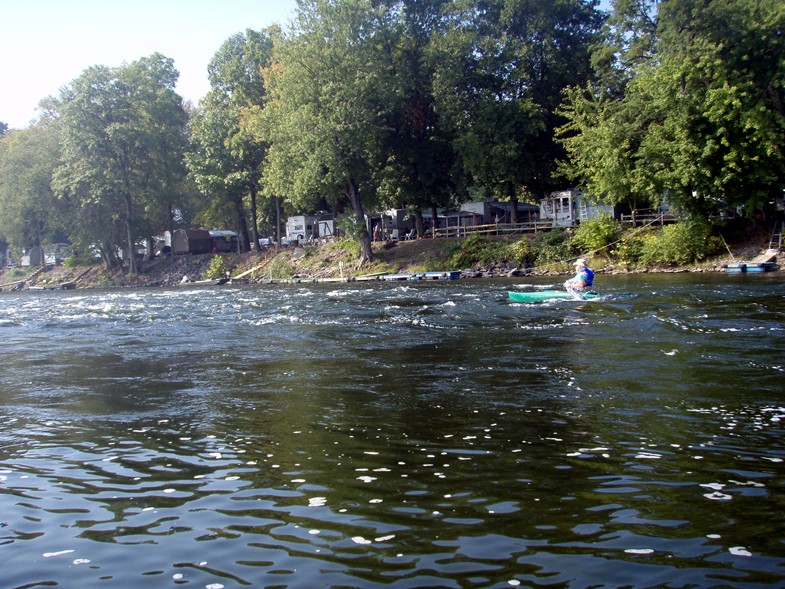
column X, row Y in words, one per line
column 473, row 250
column 76, row 261
column 521, row 252
column 682, row 243
column 345, row 249
column 629, row 250
column 217, row 268
column 596, row 234
column 280, row 267
column 552, row 247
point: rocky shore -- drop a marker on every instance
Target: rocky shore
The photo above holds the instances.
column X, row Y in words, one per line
column 312, row 262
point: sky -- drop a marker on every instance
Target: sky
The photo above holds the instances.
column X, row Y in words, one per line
column 45, row 44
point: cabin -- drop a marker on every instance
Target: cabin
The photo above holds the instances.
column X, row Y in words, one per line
column 391, row 224
column 191, row 241
column 494, row 211
column 566, row 208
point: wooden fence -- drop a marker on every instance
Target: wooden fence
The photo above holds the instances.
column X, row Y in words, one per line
column 644, row 217
column 493, row 229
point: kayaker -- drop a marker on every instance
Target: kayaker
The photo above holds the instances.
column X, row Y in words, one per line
column 583, row 279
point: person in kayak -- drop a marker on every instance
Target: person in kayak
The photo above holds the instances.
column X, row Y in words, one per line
column 583, row 279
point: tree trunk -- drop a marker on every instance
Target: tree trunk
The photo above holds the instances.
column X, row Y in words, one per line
column 366, row 253
column 254, row 222
column 129, row 229
column 171, row 233
column 277, row 221
column 513, row 203
column 434, row 220
column 419, row 224
column 242, row 227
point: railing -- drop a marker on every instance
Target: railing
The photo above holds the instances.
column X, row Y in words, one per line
column 775, row 243
column 643, row 217
column 493, row 229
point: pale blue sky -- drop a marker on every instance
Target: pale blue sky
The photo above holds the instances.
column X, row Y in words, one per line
column 45, row 44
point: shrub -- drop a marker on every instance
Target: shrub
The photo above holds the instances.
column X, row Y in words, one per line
column 685, row 242
column 475, row 249
column 76, row 261
column 630, row 249
column 551, row 248
column 596, row 234
column 344, row 249
column 521, row 252
column 217, row 268
column 279, row 267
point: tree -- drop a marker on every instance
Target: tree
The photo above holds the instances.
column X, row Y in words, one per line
column 123, row 140
column 516, row 58
column 225, row 159
column 330, row 91
column 701, row 122
column 30, row 215
column 418, row 171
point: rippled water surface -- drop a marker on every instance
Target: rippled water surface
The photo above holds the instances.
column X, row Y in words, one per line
column 395, row 435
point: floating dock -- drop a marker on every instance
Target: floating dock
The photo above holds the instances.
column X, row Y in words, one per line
column 750, row 267
column 446, row 275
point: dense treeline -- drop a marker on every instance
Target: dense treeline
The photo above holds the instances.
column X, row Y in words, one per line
column 363, row 104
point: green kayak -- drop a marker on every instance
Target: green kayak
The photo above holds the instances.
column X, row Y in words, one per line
column 537, row 296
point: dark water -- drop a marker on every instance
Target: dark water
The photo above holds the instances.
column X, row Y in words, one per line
column 395, row 435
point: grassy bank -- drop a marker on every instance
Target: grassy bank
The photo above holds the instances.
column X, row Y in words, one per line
column 610, row 249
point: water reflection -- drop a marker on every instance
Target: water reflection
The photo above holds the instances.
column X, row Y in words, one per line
column 426, row 435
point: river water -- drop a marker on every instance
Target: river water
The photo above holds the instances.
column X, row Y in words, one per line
column 395, row 435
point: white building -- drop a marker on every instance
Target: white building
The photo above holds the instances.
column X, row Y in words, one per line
column 565, row 208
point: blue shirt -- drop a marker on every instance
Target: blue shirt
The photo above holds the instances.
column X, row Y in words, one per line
column 586, row 275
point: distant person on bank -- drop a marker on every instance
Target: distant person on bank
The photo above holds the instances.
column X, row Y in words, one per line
column 583, row 279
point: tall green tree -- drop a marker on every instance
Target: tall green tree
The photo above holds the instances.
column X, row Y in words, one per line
column 224, row 158
column 517, row 56
column 702, row 122
column 30, row 214
column 123, row 140
column 418, row 172
column 330, row 98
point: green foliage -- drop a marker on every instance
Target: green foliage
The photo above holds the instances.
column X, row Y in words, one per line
column 596, row 234
column 349, row 228
column 521, row 251
column 344, row 250
column 280, row 267
column 77, row 261
column 123, row 137
column 479, row 250
column 29, row 212
column 473, row 250
column 686, row 242
column 552, row 248
column 629, row 250
column 692, row 111
column 218, row 268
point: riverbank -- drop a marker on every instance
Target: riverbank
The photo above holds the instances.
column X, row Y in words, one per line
column 322, row 261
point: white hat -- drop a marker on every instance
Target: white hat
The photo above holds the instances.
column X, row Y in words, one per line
column 580, row 262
